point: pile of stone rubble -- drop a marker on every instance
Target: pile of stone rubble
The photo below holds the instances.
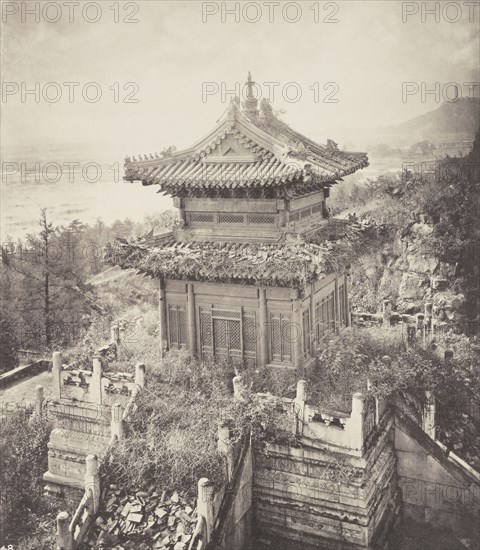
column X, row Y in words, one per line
column 143, row 520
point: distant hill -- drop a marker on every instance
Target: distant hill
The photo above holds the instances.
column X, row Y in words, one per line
column 450, row 122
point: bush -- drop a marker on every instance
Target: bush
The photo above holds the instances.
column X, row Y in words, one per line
column 8, row 346
column 23, row 461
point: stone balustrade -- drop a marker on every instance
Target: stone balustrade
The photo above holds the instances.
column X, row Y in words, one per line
column 70, row 534
column 89, row 409
column 94, row 386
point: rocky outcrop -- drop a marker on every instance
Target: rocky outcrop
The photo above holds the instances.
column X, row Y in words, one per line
column 413, row 275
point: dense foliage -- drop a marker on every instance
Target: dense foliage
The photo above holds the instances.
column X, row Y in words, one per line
column 46, row 292
column 172, row 436
column 8, row 345
column 23, row 461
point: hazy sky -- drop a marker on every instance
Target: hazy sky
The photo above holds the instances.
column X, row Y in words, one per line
column 171, row 51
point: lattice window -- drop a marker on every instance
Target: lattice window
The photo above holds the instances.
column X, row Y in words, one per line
column 177, row 326
column 201, row 218
column 317, row 321
column 234, row 336
column 294, row 216
column 276, row 338
column 226, row 314
column 230, row 218
column 280, row 338
column 206, row 329
column 227, row 338
column 261, row 218
column 182, row 326
column 220, row 335
column 317, row 208
column 249, row 334
column 325, row 315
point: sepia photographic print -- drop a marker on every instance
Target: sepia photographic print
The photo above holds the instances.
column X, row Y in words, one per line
column 240, row 275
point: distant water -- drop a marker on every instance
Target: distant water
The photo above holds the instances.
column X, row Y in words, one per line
column 77, row 196
column 71, row 192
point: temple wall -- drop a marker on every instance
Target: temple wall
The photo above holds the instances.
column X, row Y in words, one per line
column 265, row 315
column 437, row 489
column 338, row 487
column 237, row 521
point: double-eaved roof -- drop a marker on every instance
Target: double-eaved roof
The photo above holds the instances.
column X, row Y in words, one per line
column 289, row 263
column 246, row 152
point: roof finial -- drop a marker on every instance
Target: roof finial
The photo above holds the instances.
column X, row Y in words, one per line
column 250, row 103
column 250, row 84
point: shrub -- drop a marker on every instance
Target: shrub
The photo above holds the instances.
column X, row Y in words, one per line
column 23, row 461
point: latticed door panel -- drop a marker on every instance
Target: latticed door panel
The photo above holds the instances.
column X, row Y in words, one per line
column 286, row 339
column 325, row 315
column 182, row 327
column 275, row 338
column 206, row 335
column 249, row 338
column 316, row 320
column 306, row 333
column 234, row 339
column 177, row 326
column 280, row 338
column 220, row 336
column 341, row 295
column 331, row 311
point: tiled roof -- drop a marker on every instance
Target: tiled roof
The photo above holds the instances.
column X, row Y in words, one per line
column 276, row 156
column 290, row 263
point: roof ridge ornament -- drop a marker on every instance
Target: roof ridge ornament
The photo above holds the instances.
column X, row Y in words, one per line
column 232, row 109
column 332, row 146
column 251, row 102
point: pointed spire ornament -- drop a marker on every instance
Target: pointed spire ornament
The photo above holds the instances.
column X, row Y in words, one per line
column 251, row 102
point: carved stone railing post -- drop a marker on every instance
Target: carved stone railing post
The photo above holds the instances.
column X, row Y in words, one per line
column 117, row 427
column 56, row 370
column 115, row 334
column 225, row 447
column 428, row 416
column 92, row 480
column 356, row 421
column 238, row 388
column 140, row 374
column 299, row 407
column 205, row 504
column 411, row 333
column 39, row 397
column 116, row 340
column 64, row 536
column 428, row 312
column 96, row 384
column 387, row 311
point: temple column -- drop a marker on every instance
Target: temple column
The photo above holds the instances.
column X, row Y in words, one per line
column 178, row 203
column 192, row 331
column 263, row 328
column 297, row 336
column 348, row 320
column 162, row 309
column 338, row 314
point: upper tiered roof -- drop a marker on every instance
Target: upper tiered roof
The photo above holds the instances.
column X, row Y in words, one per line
column 247, row 150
